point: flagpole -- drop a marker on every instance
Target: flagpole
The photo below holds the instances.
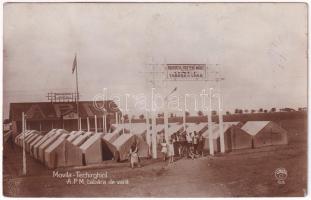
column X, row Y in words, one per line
column 77, row 87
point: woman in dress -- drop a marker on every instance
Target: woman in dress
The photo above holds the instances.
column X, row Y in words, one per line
column 164, row 149
column 171, row 152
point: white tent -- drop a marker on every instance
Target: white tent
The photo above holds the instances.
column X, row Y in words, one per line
column 122, row 145
column 173, row 128
column 92, row 149
column 48, row 142
column 29, row 140
column 74, row 135
column 82, row 138
column 265, row 133
column 73, row 151
column 191, row 127
column 32, row 144
column 55, row 154
column 34, row 148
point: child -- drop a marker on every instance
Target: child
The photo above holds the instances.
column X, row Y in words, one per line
column 134, row 159
column 164, row 149
column 171, row 152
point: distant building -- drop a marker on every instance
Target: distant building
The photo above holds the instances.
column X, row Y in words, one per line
column 44, row 116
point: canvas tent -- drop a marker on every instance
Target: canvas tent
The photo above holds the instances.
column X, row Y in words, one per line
column 73, row 135
column 173, row 128
column 34, row 148
column 19, row 139
column 29, row 140
column 240, row 139
column 92, row 149
column 55, row 154
column 48, row 142
column 123, row 145
column 73, row 151
column 32, row 144
column 140, row 131
column 107, row 142
column 191, row 127
column 265, row 133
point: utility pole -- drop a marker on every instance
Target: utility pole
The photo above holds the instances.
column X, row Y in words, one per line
column 210, row 123
column 217, row 79
column 153, row 80
column 24, row 134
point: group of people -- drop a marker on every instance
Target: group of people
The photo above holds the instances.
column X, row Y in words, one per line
column 183, row 144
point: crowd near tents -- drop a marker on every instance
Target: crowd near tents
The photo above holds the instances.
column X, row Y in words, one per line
column 61, row 148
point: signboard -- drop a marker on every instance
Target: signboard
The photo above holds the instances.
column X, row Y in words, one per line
column 183, row 72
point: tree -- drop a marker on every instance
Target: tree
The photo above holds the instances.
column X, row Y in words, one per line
column 246, row 110
column 273, row 110
column 214, row 112
column 265, row 111
column 236, row 111
column 161, row 115
column 228, row 113
column 172, row 115
column 200, row 113
column 141, row 116
column 241, row 111
column 260, row 110
column 187, row 114
column 253, row 111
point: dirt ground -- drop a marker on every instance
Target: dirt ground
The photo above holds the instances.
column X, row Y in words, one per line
column 242, row 173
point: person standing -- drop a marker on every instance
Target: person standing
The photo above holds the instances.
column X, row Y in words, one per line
column 134, row 159
column 164, row 149
column 200, row 144
column 195, row 142
column 189, row 143
column 171, row 152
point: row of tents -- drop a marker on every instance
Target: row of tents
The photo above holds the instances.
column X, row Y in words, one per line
column 59, row 148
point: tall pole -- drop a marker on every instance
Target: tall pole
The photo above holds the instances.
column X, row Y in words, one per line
column 221, row 128
column 95, row 120
column 88, row 124
column 166, row 121
column 148, row 139
column 184, row 117
column 104, row 124
column 210, row 128
column 116, row 118
column 80, row 124
column 24, row 151
column 77, row 87
column 154, row 135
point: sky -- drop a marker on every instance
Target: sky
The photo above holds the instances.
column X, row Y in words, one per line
column 260, row 50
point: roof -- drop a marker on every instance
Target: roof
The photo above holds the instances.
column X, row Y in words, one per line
column 90, row 141
column 253, row 127
column 122, row 139
column 191, row 127
column 173, row 128
column 56, row 110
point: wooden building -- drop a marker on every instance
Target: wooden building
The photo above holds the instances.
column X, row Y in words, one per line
column 44, row 116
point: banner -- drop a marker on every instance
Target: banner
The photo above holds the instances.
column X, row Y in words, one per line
column 193, row 72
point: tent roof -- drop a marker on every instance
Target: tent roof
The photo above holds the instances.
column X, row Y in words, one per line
column 90, row 141
column 191, row 127
column 174, row 127
column 122, row 139
column 56, row 143
column 80, row 139
column 253, row 127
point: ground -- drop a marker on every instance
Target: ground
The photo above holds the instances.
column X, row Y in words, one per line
column 235, row 174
